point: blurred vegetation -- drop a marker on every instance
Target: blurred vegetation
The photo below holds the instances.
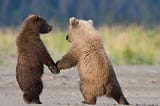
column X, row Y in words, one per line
column 131, row 45
column 7, row 46
column 124, row 45
column 130, row 29
column 110, row 12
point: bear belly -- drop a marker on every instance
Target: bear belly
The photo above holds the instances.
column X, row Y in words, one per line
column 93, row 75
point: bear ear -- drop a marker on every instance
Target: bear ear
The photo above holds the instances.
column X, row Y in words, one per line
column 73, row 21
column 30, row 15
column 90, row 21
column 37, row 18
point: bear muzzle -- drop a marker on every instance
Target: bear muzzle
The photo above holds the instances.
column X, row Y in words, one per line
column 67, row 38
column 49, row 28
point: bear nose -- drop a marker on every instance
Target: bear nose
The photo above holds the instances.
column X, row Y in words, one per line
column 67, row 37
column 50, row 28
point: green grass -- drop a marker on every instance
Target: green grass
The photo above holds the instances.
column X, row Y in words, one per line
column 131, row 45
column 7, row 47
column 56, row 44
column 124, row 45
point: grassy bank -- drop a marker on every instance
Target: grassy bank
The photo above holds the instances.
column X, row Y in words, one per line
column 124, row 45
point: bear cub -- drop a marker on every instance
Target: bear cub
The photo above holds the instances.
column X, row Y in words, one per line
column 97, row 76
column 32, row 55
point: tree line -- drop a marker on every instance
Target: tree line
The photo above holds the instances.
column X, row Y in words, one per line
column 102, row 12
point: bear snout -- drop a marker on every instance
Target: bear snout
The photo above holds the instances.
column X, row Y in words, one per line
column 67, row 38
column 45, row 29
column 49, row 28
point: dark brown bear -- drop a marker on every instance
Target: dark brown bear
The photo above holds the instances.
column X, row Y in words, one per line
column 32, row 55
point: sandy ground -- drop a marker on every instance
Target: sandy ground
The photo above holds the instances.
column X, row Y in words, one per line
column 140, row 84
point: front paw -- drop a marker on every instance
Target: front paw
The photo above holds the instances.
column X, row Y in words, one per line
column 57, row 65
column 54, row 70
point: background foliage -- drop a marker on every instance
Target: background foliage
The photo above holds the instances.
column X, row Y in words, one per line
column 124, row 45
column 129, row 28
column 143, row 12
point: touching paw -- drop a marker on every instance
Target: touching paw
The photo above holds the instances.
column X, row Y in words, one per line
column 53, row 69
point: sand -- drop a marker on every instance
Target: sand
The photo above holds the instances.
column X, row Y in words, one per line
column 140, row 85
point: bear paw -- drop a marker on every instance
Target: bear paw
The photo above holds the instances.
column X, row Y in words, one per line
column 89, row 102
column 54, row 70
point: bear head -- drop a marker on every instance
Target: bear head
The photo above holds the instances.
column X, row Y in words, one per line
column 37, row 24
column 79, row 29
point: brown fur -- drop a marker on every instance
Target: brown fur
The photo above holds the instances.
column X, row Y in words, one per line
column 32, row 54
column 97, row 77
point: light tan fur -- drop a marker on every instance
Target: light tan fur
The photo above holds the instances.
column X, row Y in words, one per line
column 97, row 77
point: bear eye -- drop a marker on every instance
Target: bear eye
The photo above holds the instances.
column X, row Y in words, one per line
column 44, row 21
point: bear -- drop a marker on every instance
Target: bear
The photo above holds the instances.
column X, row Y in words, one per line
column 32, row 55
column 97, row 76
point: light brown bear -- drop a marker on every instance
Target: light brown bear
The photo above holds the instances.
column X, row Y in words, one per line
column 97, row 76
column 32, row 55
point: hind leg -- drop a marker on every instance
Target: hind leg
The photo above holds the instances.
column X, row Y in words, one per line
column 119, row 97
column 116, row 94
column 88, row 94
column 88, row 100
column 31, row 99
column 31, row 96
